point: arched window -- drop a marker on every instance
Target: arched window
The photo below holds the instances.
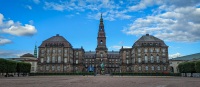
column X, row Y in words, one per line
column 101, row 54
column 101, row 42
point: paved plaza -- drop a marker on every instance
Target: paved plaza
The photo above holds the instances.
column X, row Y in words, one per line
column 99, row 81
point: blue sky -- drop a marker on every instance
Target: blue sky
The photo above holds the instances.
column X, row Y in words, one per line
column 24, row 23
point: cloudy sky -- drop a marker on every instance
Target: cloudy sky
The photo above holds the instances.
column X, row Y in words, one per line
column 26, row 23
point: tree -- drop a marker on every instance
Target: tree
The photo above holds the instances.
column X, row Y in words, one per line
column 2, row 65
column 189, row 67
column 181, row 68
column 23, row 67
column 197, row 66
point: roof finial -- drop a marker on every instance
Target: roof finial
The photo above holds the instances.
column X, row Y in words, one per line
column 101, row 15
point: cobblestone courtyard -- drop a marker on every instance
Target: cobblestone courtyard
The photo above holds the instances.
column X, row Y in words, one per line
column 98, row 81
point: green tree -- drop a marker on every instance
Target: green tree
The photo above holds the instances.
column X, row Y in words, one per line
column 197, row 66
column 189, row 67
column 2, row 65
column 181, row 68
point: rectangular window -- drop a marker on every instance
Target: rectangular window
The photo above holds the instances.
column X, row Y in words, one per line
column 65, row 54
column 139, row 50
column 145, row 50
column 65, row 68
column 133, row 60
column 76, row 61
column 53, row 59
column 48, row 59
column 139, row 60
column 152, row 68
column 59, row 59
column 54, row 51
column 139, row 68
column 165, row 68
column 157, row 59
column 53, row 68
column 146, row 68
column 47, row 68
column 146, row 59
column 158, row 67
column 163, row 50
column 152, row 59
column 58, row 68
column 65, row 50
column 41, row 68
column 127, row 61
column 59, row 51
column 41, row 60
column 157, row 49
column 48, row 51
column 65, row 60
column 151, row 49
column 164, row 60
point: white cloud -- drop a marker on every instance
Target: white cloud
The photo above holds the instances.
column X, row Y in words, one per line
column 1, row 19
column 4, row 41
column 27, row 30
column 110, row 9
column 171, row 24
column 174, row 55
column 15, row 28
column 13, row 53
column 36, row 1
column 143, row 4
column 29, row 7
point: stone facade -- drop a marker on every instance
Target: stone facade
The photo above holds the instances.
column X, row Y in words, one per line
column 147, row 55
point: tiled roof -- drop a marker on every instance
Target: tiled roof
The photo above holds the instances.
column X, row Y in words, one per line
column 147, row 39
column 56, row 41
column 27, row 55
column 189, row 57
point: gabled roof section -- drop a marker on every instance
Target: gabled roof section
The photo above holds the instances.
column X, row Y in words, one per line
column 188, row 57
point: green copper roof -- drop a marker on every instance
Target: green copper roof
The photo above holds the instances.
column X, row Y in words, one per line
column 189, row 57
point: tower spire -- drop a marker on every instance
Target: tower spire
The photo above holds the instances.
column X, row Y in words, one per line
column 101, row 38
column 35, row 51
column 101, row 15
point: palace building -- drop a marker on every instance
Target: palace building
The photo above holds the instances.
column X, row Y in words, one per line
column 149, row 54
